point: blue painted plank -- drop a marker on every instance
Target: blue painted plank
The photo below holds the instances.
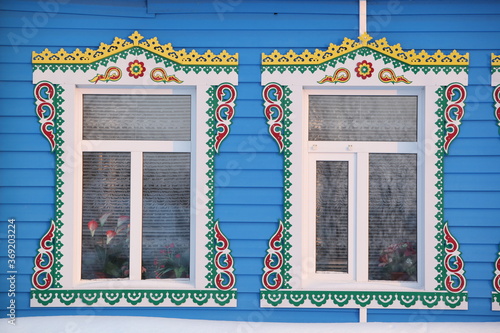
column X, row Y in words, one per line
column 16, row 72
column 18, row 107
column 472, row 182
column 474, row 146
column 247, row 213
column 472, row 164
column 27, row 195
column 479, row 129
column 479, row 253
column 247, row 178
column 248, row 266
column 173, row 22
column 445, row 22
column 23, row 142
column 27, row 229
column 249, row 125
column 255, row 230
column 22, row 266
column 28, row 213
column 427, row 7
column 477, row 235
column 250, row 196
column 131, row 8
column 472, row 199
column 479, row 270
column 27, row 177
column 476, row 217
column 17, row 90
column 26, row 160
column 246, row 144
column 250, row 160
column 285, row 38
column 249, row 248
column 224, row 8
column 19, row 125
column 25, row 248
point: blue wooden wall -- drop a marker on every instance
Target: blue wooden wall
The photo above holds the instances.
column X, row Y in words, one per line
column 249, row 169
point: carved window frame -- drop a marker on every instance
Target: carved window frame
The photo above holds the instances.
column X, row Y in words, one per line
column 495, row 82
column 131, row 64
column 443, row 79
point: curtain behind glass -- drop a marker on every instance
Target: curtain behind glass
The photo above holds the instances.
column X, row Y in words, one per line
column 332, row 207
column 106, row 210
column 166, row 215
column 362, row 118
column 137, row 117
column 393, row 217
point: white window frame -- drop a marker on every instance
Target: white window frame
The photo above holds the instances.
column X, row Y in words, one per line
column 136, row 150
column 356, row 153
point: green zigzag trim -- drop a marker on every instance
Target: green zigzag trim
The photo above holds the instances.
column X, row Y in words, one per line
column 212, row 270
column 56, row 269
column 287, row 174
column 133, row 297
column 364, row 51
column 211, row 132
column 495, row 298
column 441, row 132
column 364, row 298
column 495, row 69
column 135, row 51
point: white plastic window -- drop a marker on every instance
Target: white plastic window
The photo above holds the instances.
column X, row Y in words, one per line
column 364, row 198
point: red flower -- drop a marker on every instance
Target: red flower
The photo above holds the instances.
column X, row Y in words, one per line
column 364, row 69
column 92, row 225
column 136, row 69
column 109, row 235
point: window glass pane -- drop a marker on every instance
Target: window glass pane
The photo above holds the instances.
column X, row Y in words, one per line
column 137, row 117
column 166, row 215
column 332, row 216
column 393, row 217
column 106, row 210
column 362, row 118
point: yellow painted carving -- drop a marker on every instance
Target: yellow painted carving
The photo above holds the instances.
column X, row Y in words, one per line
column 119, row 45
column 495, row 60
column 381, row 45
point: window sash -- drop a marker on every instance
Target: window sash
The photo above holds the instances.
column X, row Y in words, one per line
column 359, row 150
column 137, row 149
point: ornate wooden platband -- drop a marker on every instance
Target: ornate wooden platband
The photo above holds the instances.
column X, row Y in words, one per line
column 220, row 262
column 495, row 63
column 495, row 297
column 226, row 96
column 119, row 45
column 79, row 298
column 381, row 46
column 44, row 260
column 496, row 99
column 368, row 299
column 273, row 94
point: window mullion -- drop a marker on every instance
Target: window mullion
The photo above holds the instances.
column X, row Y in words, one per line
column 136, row 174
column 362, row 211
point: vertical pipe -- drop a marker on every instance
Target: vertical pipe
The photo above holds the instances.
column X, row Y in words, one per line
column 362, row 17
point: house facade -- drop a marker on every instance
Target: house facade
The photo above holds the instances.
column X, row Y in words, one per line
column 271, row 161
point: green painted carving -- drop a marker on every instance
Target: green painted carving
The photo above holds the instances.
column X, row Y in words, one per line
column 363, row 298
column 364, row 51
column 135, row 51
column 445, row 289
column 133, row 297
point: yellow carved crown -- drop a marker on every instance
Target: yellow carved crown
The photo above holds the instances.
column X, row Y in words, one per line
column 119, row 45
column 381, row 45
column 495, row 60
